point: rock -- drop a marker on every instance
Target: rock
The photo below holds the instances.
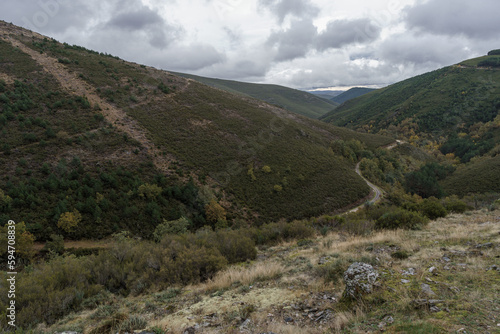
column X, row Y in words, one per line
column 433, row 270
column 323, row 260
column 389, row 319
column 409, row 272
column 245, row 324
column 288, row 319
column 435, row 309
column 426, row 288
column 494, row 267
column 486, row 245
column 189, row 330
column 405, row 281
column 381, row 326
column 359, row 279
column 446, row 259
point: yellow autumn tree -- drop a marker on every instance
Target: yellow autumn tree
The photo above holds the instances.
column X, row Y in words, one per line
column 69, row 220
column 24, row 241
column 215, row 212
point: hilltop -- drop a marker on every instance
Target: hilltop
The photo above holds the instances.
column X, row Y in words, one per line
column 127, row 146
column 297, row 101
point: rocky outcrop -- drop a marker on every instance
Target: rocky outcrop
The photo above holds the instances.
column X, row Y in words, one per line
column 359, row 279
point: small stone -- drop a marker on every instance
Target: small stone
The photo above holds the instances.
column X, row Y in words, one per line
column 381, row 326
column 405, row 281
column 486, row 245
column 189, row 330
column 427, row 289
column 288, row 319
column 435, row 301
column 435, row 309
column 245, row 324
column 389, row 319
column 446, row 259
column 432, row 270
column 429, row 280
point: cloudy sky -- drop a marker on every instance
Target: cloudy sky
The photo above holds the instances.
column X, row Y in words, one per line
column 296, row 43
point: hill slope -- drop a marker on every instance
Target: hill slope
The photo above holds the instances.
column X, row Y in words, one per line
column 119, row 142
column 294, row 100
column 454, row 109
column 446, row 100
column 351, row 94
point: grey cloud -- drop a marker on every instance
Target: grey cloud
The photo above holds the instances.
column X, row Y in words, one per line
column 294, row 42
column 303, row 36
column 136, row 20
column 48, row 16
column 297, row 8
column 474, row 19
column 344, row 32
column 427, row 51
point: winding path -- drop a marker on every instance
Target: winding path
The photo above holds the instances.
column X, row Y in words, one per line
column 377, row 192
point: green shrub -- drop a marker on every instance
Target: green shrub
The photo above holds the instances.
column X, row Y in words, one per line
column 432, row 208
column 56, row 245
column 401, row 218
column 178, row 226
column 453, row 204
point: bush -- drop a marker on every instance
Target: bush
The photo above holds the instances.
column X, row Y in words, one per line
column 453, row 204
column 494, row 52
column 432, row 208
column 401, row 218
column 179, row 226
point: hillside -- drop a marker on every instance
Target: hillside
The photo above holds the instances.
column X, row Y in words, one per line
column 126, row 146
column 443, row 278
column 451, row 99
column 293, row 100
column 351, row 94
column 453, row 110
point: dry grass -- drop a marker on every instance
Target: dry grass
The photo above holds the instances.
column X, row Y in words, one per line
column 236, row 274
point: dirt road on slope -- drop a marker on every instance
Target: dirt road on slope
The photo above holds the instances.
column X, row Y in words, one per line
column 377, row 192
column 71, row 83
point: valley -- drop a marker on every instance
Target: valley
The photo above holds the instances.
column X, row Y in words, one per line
column 149, row 201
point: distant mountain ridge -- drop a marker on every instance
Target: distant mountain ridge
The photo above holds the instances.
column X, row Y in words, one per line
column 297, row 101
column 351, row 94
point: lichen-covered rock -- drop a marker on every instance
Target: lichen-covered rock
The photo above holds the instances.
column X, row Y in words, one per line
column 359, row 280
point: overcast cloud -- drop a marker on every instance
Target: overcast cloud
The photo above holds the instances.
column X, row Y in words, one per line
column 296, row 43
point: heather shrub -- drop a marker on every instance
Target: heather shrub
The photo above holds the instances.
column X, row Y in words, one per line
column 401, row 218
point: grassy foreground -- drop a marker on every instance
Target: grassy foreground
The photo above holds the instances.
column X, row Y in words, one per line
column 296, row 287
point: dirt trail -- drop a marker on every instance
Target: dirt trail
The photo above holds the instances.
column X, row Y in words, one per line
column 377, row 192
column 74, row 85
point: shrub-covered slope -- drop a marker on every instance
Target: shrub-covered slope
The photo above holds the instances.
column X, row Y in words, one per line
column 447, row 100
column 118, row 142
column 294, row 100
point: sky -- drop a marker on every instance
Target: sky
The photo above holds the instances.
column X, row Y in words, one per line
column 295, row 43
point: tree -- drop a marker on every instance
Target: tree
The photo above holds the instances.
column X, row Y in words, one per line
column 69, row 220
column 179, row 226
column 150, row 191
column 24, row 240
column 215, row 212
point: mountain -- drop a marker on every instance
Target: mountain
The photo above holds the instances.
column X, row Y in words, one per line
column 93, row 145
column 454, row 109
column 447, row 100
column 351, row 94
column 297, row 101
